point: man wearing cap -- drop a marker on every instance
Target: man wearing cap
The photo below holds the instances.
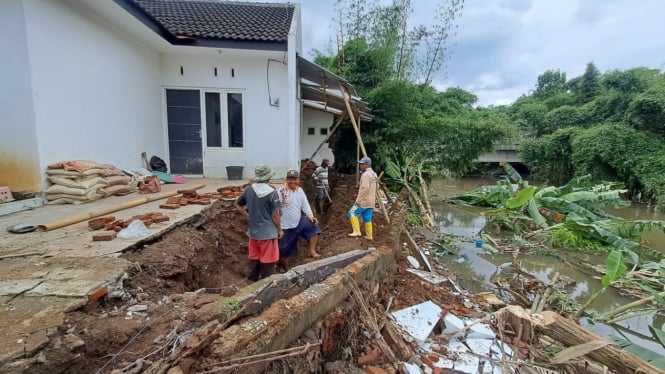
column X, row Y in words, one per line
column 260, row 203
column 321, row 177
column 297, row 219
column 365, row 201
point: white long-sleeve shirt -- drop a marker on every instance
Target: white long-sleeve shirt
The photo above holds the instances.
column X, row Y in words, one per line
column 294, row 203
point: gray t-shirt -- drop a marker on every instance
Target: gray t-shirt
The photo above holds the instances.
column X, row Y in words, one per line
column 261, row 200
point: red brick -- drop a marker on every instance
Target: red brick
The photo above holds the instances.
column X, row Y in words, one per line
column 189, row 191
column 159, row 219
column 100, row 222
column 183, row 201
column 373, row 357
column 98, row 294
column 104, row 236
column 425, row 360
column 169, row 206
column 202, row 201
column 147, row 222
column 375, row 370
column 173, row 200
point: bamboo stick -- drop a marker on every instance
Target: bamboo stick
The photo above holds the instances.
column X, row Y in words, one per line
column 86, row 216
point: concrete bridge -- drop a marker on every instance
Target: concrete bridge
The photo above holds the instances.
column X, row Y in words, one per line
column 502, row 153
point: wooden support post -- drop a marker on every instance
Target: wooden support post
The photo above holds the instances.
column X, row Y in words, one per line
column 356, row 127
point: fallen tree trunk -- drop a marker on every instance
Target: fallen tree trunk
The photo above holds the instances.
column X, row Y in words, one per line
column 570, row 334
column 610, row 355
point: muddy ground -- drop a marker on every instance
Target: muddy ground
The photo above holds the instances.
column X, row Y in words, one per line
column 189, row 268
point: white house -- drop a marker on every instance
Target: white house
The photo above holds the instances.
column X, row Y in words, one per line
column 202, row 84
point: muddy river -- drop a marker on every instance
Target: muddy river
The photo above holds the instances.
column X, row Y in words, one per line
column 475, row 268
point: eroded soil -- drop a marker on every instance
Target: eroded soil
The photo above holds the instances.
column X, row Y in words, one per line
column 164, row 296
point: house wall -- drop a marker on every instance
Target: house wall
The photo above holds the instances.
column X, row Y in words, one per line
column 95, row 89
column 295, row 109
column 266, row 135
column 317, row 120
column 19, row 154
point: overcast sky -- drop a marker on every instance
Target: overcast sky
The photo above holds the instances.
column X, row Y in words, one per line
column 503, row 45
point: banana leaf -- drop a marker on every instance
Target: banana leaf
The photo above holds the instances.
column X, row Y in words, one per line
column 615, row 268
column 593, row 196
column 535, row 214
column 522, row 198
column 654, row 358
column 512, row 173
column 630, row 228
column 658, row 334
column 565, row 207
column 549, row 191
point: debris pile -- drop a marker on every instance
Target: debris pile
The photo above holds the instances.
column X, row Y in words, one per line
column 113, row 225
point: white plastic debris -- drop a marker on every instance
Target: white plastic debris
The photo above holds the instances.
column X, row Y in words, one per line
column 137, row 308
column 414, row 263
column 432, row 278
column 418, row 320
column 135, row 230
column 453, row 324
column 480, row 331
column 423, row 256
column 411, row 368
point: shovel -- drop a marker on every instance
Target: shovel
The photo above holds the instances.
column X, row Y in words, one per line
column 145, row 159
column 325, row 188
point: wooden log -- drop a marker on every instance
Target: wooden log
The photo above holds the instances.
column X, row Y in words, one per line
column 518, row 320
column 394, row 339
column 611, row 355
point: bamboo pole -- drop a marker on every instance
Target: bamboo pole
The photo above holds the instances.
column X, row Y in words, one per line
column 356, row 128
column 379, row 198
column 86, row 216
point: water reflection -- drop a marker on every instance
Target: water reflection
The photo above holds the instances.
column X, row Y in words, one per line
column 475, row 268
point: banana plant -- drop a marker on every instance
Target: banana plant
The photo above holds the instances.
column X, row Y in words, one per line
column 614, row 269
column 409, row 176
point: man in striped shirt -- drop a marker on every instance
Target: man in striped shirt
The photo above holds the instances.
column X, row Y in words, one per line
column 321, row 177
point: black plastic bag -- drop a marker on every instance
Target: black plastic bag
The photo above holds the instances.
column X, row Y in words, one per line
column 157, row 164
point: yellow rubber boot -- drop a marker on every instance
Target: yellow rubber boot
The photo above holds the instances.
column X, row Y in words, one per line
column 355, row 225
column 369, row 231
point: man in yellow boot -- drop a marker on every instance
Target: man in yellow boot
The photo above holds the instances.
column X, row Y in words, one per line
column 365, row 201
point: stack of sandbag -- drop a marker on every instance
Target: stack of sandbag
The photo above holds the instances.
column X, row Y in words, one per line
column 76, row 182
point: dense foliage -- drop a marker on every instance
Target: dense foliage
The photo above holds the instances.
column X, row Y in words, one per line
column 610, row 126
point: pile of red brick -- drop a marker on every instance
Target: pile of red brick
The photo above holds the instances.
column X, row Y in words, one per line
column 113, row 225
column 230, row 192
column 187, row 197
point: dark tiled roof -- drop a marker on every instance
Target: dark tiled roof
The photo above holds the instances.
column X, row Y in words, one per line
column 222, row 20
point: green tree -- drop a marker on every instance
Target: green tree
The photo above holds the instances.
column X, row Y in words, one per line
column 647, row 111
column 589, row 86
column 549, row 157
column 550, row 83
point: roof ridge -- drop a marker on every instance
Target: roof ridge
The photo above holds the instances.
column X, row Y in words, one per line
column 251, row 3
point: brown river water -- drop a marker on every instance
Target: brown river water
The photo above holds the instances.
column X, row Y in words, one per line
column 475, row 268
